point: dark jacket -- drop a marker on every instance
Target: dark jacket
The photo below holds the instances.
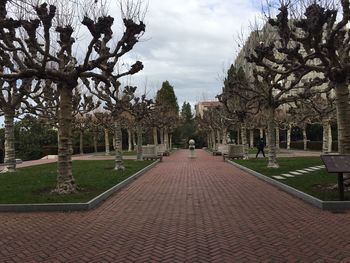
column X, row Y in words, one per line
column 260, row 145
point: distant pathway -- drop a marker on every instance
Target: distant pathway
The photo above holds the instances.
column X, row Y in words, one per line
column 200, row 210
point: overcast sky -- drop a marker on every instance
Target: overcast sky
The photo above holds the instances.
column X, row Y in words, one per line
column 189, row 42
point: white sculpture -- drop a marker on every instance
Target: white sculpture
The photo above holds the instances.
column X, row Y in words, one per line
column 191, row 147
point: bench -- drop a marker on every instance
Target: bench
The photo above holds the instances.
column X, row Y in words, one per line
column 162, row 150
column 221, row 149
column 235, row 151
column 149, row 152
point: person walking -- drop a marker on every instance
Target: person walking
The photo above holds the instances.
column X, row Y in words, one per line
column 260, row 146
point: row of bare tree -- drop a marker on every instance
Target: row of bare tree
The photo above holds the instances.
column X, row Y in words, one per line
column 53, row 55
column 293, row 71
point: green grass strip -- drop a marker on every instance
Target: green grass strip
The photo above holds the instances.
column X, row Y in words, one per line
column 34, row 184
column 315, row 183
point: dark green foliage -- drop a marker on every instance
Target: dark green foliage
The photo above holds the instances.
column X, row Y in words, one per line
column 188, row 129
column 186, row 112
column 166, row 98
column 30, row 137
column 34, row 184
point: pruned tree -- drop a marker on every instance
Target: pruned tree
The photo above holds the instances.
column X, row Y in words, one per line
column 105, row 120
column 317, row 41
column 14, row 101
column 239, row 99
column 140, row 108
column 272, row 88
column 41, row 45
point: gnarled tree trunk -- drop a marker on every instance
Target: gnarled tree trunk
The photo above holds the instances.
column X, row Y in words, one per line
column 166, row 138
column 155, row 136
column 330, row 139
column 271, row 135
column 134, row 140
column 10, row 156
column 107, row 150
column 224, row 136
column 130, row 144
column 343, row 115
column 251, row 134
column 325, row 135
column 139, row 142
column 119, row 164
column 161, row 136
column 113, row 141
column 244, row 140
column 65, row 179
column 277, row 138
column 304, row 137
column 289, row 132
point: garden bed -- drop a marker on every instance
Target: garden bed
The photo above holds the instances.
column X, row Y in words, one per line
column 33, row 185
column 317, row 183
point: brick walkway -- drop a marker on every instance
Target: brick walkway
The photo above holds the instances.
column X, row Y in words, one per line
column 200, row 210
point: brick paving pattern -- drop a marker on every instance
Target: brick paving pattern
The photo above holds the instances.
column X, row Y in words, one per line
column 199, row 210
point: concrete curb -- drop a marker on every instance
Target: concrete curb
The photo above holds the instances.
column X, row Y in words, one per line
column 324, row 205
column 67, row 207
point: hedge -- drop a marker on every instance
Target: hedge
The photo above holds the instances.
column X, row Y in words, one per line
column 311, row 145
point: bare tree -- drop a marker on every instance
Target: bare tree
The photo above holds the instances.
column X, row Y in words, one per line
column 318, row 41
column 29, row 55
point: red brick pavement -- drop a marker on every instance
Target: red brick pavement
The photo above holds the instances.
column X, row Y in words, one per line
column 200, row 210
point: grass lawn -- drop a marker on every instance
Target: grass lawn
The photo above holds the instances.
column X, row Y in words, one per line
column 112, row 153
column 255, row 150
column 33, row 184
column 314, row 183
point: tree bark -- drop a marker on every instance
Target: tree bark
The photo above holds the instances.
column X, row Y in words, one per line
column 119, row 163
column 155, row 136
column 161, row 136
column 342, row 100
column 244, row 140
column 130, row 144
column 218, row 134
column 330, row 139
column 171, row 141
column 289, row 132
column 343, row 117
column 277, row 138
column 107, row 150
column 251, row 134
column 134, row 139
column 304, row 137
column 65, row 179
column 271, row 135
column 81, row 144
column 325, row 136
column 224, row 136
column 10, row 155
column 139, row 142
column 113, row 141
column 261, row 130
column 166, row 138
